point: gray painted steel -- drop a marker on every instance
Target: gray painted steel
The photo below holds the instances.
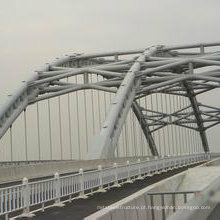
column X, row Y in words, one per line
column 158, row 69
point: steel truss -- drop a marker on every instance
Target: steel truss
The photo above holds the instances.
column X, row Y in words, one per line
column 158, row 69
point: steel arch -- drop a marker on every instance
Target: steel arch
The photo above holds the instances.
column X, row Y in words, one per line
column 157, row 69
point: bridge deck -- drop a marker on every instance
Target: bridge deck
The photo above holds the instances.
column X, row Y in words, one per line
column 80, row 208
column 15, row 171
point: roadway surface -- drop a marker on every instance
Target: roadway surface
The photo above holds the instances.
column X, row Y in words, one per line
column 80, row 208
column 12, row 173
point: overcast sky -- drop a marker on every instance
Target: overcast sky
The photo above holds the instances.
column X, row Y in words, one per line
column 35, row 32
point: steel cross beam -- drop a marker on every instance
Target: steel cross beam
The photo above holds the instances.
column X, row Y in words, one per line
column 196, row 111
column 157, row 69
column 105, row 143
column 198, row 117
column 145, row 128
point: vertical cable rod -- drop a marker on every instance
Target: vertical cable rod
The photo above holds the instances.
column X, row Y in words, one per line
column 171, row 126
column 70, row 127
column 158, row 132
column 134, row 134
column 50, row 135
column 99, row 112
column 25, row 135
column 11, row 143
column 175, row 148
column 141, row 135
column 167, row 127
column 92, row 102
column 60, row 125
column 86, row 123
column 164, row 140
column 146, row 106
column 77, row 118
column 180, row 138
column 38, row 132
column 184, row 129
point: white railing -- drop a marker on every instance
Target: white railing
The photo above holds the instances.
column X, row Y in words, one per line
column 26, row 195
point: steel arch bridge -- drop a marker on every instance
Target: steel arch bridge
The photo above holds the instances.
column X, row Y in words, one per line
column 122, row 103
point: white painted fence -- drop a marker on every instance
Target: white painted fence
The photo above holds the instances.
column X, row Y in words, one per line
column 57, row 189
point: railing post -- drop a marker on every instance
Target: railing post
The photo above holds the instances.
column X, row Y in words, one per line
column 149, row 172
column 116, row 184
column 190, row 159
column 26, row 199
column 128, row 171
column 81, row 180
column 157, row 165
column 101, row 189
column 57, row 188
column 193, row 159
column 177, row 161
column 164, row 161
column 169, row 159
column 139, row 170
column 184, row 163
column 197, row 158
column 174, row 163
column 208, row 156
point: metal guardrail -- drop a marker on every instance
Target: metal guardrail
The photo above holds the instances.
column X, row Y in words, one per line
column 206, row 206
column 65, row 188
column 29, row 162
column 172, row 204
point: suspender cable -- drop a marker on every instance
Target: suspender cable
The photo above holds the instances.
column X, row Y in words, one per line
column 188, row 130
column 193, row 138
column 92, row 102
column 175, row 127
column 167, row 127
column 171, row 126
column 77, row 118
column 38, row 132
column 146, row 106
column 70, row 127
column 85, row 110
column 126, row 139
column 195, row 141
column 25, row 135
column 11, row 142
column 99, row 112
column 152, row 108
column 158, row 131
column 134, row 134
column 185, row 129
column 60, row 125
column 180, row 138
column 164, row 140
column 141, row 135
column 50, row 135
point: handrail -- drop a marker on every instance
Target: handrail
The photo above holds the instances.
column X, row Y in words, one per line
column 57, row 188
column 207, row 198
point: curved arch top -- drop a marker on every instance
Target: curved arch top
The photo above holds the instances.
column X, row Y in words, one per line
column 131, row 75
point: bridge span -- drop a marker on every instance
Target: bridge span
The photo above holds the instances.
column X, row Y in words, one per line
column 88, row 122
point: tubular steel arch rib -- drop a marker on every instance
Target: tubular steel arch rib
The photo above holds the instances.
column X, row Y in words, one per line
column 158, row 69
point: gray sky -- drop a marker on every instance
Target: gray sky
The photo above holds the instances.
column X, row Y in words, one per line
column 34, row 32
